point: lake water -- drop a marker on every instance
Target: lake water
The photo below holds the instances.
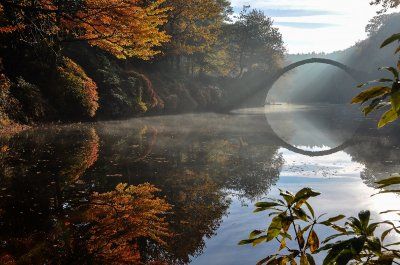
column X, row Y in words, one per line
column 211, row 168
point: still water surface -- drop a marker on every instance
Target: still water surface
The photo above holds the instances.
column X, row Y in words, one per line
column 210, row 168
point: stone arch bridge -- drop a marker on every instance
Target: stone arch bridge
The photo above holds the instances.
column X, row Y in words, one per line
column 266, row 84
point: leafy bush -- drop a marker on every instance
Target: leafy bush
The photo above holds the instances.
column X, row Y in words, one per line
column 291, row 212
column 34, row 106
column 361, row 244
column 4, row 100
column 123, row 92
column 9, row 106
column 76, row 94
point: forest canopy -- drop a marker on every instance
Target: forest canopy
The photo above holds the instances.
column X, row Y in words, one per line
column 85, row 59
column 123, row 28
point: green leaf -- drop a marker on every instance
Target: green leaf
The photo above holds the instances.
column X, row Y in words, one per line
column 330, row 258
column 371, row 228
column 245, row 241
column 364, row 217
column 259, row 240
column 313, row 242
column 389, row 191
column 310, row 209
column 338, row 228
column 395, row 101
column 392, row 70
column 371, row 93
column 395, row 228
column 388, row 182
column 274, row 228
column 389, row 116
column 355, row 224
column 267, row 260
column 310, row 259
column 301, row 214
column 287, row 196
column 381, row 80
column 282, row 260
column 333, row 219
column 304, row 194
column 255, row 233
column 374, row 244
column 390, row 211
column 375, row 104
column 266, row 204
column 342, row 252
column 345, row 256
column 329, row 238
column 393, row 38
column 286, row 235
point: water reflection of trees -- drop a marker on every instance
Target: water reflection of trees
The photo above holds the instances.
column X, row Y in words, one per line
column 195, row 169
column 38, row 172
column 378, row 151
column 50, row 214
column 54, row 172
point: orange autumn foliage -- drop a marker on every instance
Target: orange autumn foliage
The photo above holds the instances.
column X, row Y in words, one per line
column 123, row 216
column 77, row 86
column 124, row 28
column 84, row 158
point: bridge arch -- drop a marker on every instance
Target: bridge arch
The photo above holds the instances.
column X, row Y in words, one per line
column 356, row 75
column 267, row 85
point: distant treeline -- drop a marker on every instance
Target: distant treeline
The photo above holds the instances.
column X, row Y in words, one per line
column 91, row 59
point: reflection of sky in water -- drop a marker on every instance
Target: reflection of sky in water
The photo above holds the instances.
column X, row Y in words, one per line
column 338, row 164
column 336, row 176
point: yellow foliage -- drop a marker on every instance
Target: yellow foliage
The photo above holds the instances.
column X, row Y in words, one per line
column 195, row 25
column 124, row 28
column 81, row 87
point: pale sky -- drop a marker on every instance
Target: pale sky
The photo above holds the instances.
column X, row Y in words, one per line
column 316, row 25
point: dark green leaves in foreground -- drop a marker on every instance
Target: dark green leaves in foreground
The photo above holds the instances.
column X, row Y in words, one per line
column 292, row 219
column 391, row 39
column 384, row 92
column 293, row 222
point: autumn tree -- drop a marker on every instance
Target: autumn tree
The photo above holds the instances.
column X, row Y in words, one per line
column 254, row 42
column 124, row 28
column 195, row 27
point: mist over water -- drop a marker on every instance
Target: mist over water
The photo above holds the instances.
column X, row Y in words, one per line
column 210, row 167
